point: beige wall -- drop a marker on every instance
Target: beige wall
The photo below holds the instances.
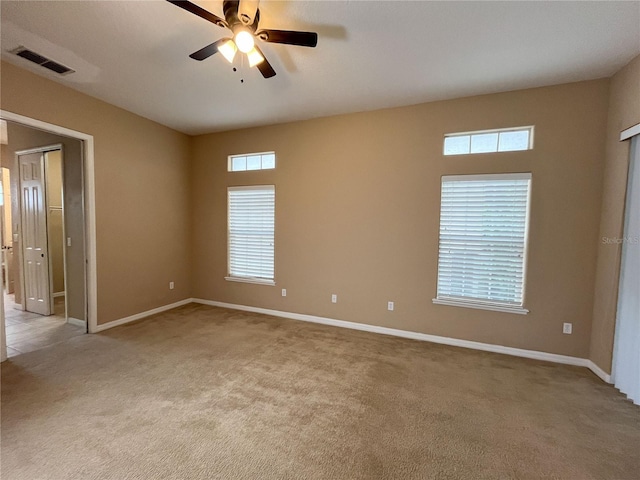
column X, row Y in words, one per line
column 142, row 195
column 357, row 208
column 24, row 138
column 357, row 213
column 624, row 112
column 55, row 231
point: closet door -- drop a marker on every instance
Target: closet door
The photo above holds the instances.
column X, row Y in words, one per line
column 34, row 233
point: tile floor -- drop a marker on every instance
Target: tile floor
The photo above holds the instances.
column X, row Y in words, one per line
column 27, row 331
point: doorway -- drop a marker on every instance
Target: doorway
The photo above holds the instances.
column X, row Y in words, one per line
column 41, row 207
column 64, row 231
column 6, row 235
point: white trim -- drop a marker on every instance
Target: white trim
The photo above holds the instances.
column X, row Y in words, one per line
column 77, row 322
column 482, row 177
column 630, row 132
column 58, row 294
column 455, row 342
column 89, row 204
column 480, row 305
column 46, row 149
column 138, row 316
column 605, row 377
column 258, row 281
column 251, row 187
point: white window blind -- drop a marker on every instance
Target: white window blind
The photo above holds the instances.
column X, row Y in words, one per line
column 251, row 220
column 483, row 230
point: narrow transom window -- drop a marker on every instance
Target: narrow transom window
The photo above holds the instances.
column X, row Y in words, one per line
column 252, row 161
column 251, row 222
column 489, row 141
column 483, row 237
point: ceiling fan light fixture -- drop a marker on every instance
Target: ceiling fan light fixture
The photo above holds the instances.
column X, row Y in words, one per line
column 254, row 57
column 244, row 40
column 242, row 17
column 228, row 50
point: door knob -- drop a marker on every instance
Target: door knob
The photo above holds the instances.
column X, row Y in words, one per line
column 42, row 255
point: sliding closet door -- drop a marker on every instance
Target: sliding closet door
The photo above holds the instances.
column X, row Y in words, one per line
column 626, row 355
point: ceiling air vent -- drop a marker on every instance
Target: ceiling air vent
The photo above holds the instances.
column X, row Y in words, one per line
column 41, row 60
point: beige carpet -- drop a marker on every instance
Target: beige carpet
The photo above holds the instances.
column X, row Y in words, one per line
column 202, row 393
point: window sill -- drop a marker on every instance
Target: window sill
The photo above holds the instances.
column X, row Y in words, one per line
column 480, row 306
column 257, row 281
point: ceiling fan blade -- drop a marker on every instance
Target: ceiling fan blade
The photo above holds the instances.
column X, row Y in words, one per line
column 199, row 11
column 265, row 67
column 302, row 39
column 209, row 50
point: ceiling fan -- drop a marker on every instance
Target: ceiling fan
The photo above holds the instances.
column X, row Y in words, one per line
column 242, row 18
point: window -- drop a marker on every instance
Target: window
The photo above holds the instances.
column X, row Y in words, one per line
column 252, row 161
column 483, row 236
column 251, row 219
column 489, row 141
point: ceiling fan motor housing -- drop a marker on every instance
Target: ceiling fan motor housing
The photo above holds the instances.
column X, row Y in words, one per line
column 230, row 9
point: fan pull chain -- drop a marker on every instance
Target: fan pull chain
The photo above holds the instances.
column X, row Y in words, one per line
column 241, row 68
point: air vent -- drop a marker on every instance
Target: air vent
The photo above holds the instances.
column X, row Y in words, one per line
column 41, row 60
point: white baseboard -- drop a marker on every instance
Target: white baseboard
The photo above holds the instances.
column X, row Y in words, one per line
column 58, row 294
column 599, row 372
column 455, row 342
column 138, row 316
column 77, row 322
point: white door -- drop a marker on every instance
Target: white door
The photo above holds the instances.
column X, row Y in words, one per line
column 34, row 233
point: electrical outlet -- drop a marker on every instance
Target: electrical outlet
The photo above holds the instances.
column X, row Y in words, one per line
column 68, row 241
column 284, row 292
column 567, row 328
column 171, row 285
column 390, row 306
column 334, row 298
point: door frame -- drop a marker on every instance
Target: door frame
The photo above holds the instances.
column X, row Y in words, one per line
column 43, row 150
column 91, row 274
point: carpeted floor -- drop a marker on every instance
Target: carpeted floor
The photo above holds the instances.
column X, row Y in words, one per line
column 202, row 393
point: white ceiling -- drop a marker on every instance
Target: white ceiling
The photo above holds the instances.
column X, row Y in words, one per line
column 370, row 54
